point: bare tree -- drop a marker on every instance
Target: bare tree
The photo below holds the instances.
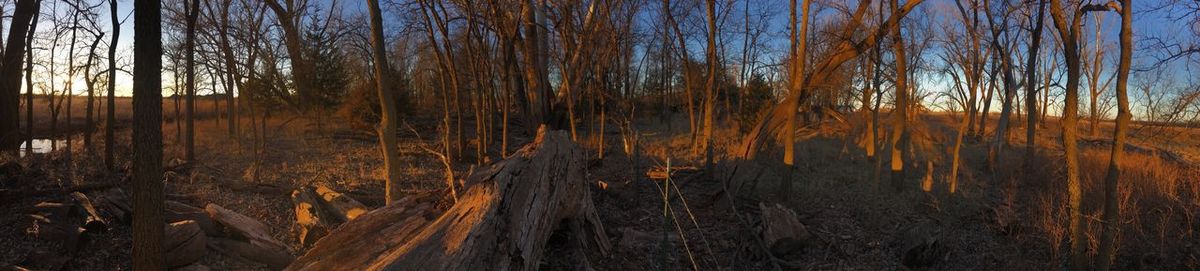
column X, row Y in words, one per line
column 900, row 113
column 387, row 121
column 10, row 72
column 1031, row 86
column 147, row 137
column 110, row 110
column 193, row 12
column 29, row 82
column 710, row 98
column 1111, row 210
column 1069, row 32
column 798, row 56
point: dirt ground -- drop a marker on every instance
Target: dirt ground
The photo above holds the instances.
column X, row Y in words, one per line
column 856, row 219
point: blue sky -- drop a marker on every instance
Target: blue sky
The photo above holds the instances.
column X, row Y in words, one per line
column 1146, row 24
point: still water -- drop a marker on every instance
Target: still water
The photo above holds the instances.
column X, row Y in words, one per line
column 42, row 145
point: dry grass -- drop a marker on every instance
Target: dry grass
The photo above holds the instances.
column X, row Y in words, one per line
column 205, row 108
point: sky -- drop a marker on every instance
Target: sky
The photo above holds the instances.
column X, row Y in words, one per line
column 1146, row 24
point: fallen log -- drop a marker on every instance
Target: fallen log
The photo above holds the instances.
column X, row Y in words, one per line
column 175, row 211
column 115, row 204
column 92, row 221
column 312, row 221
column 501, row 222
column 249, row 238
column 57, row 222
column 273, row 258
column 341, row 206
column 387, row 227
column 184, row 243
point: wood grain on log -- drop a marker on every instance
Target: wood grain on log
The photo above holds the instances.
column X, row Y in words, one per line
column 312, row 221
column 343, row 207
column 177, row 211
column 184, row 243
column 92, row 221
column 501, row 222
column 250, row 238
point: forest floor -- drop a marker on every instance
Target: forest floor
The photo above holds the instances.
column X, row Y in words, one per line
column 996, row 220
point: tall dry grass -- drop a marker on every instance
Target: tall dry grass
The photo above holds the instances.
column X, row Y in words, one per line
column 1158, row 198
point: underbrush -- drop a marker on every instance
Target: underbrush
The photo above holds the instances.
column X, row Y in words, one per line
column 1158, row 199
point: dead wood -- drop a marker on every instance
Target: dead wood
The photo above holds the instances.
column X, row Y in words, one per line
column 249, row 238
column 343, row 207
column 501, row 222
column 312, row 220
column 275, row 259
column 184, row 243
column 177, row 211
column 92, row 221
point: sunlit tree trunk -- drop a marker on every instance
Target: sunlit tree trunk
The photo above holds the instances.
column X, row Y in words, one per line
column 1069, row 32
column 387, row 121
column 799, row 44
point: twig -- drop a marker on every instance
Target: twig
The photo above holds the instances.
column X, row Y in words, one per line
column 746, row 226
column 703, row 238
column 445, row 161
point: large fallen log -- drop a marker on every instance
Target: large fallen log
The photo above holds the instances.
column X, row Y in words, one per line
column 184, row 243
column 92, row 221
column 501, row 222
column 249, row 239
column 341, row 206
column 312, row 221
column 115, row 204
column 175, row 211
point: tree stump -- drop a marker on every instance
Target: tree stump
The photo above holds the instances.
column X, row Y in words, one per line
column 501, row 222
column 782, row 230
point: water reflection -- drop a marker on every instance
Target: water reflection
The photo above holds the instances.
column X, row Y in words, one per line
column 42, row 145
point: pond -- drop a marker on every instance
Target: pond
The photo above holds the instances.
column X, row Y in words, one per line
column 42, row 145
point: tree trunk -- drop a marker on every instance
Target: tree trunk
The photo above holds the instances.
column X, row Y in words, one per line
column 710, row 99
column 89, row 123
column 193, row 11
column 1031, row 87
column 1069, row 30
column 110, row 118
column 29, row 84
column 900, row 113
column 1111, row 209
column 772, row 123
column 10, row 72
column 502, row 221
column 147, row 137
column 387, row 120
